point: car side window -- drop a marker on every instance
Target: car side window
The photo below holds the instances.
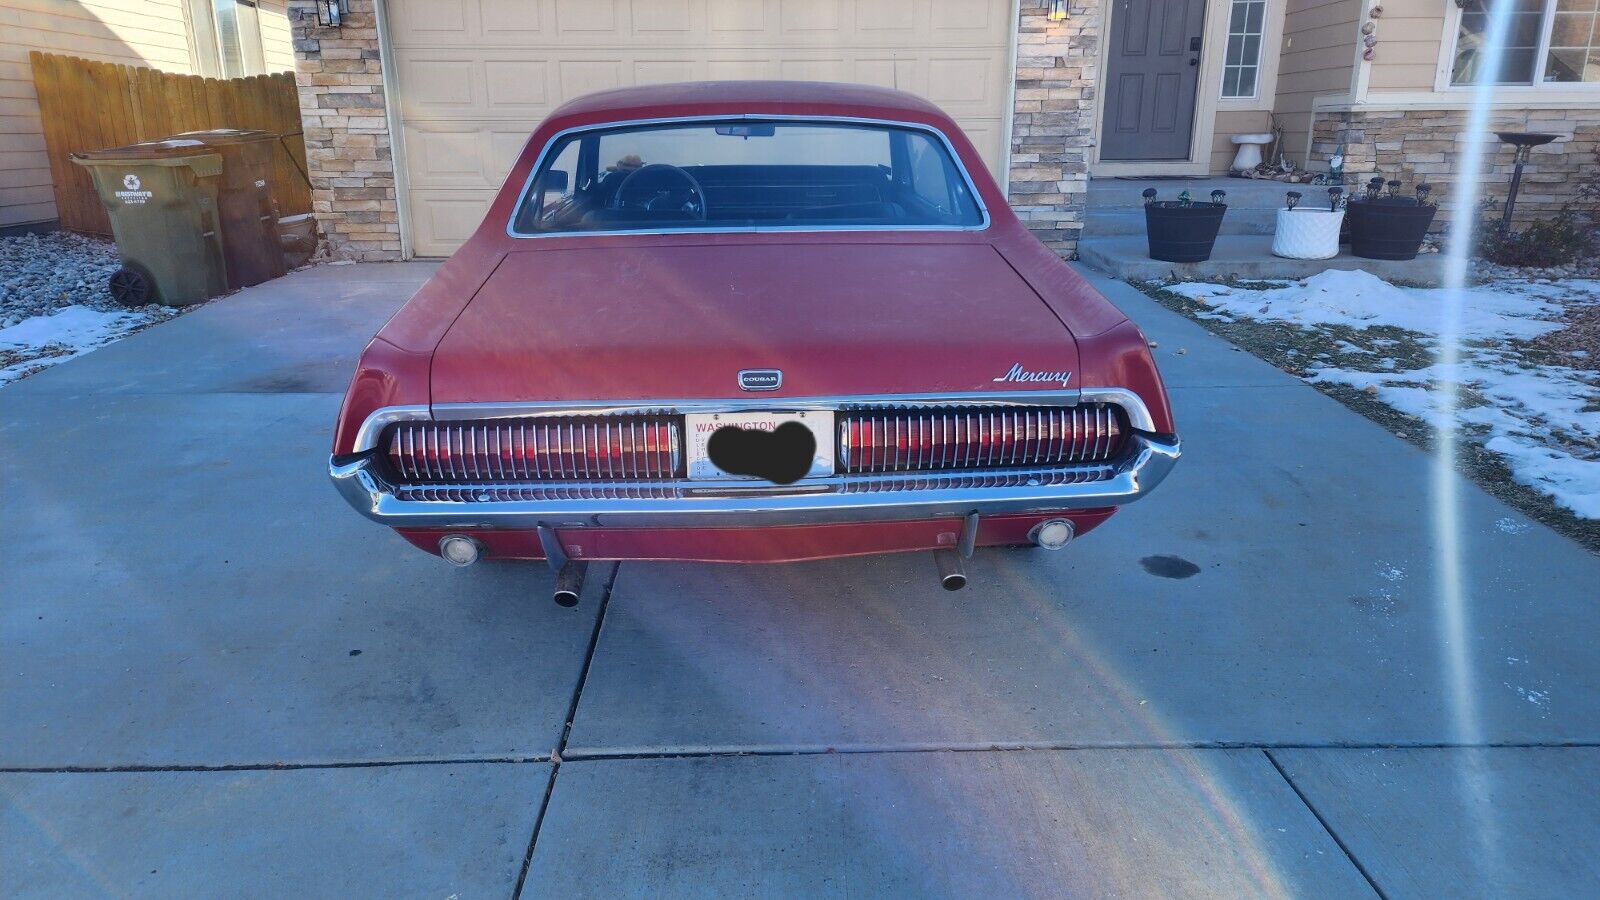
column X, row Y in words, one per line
column 557, row 183
column 929, row 179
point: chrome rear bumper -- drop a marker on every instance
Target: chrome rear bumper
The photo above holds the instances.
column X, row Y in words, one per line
column 683, row 503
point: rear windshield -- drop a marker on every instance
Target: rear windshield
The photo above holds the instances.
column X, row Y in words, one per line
column 747, row 174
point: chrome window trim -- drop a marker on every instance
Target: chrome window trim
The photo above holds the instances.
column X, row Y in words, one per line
column 1139, row 418
column 955, row 159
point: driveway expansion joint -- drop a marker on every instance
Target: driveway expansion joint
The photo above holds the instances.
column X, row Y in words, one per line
column 274, row 766
column 1326, row 825
column 557, row 754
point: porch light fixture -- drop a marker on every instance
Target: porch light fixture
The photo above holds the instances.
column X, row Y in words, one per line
column 330, row 13
column 1058, row 11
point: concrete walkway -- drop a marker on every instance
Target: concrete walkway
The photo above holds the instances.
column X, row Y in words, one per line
column 213, row 673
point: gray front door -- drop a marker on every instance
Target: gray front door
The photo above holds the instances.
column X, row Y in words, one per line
column 1151, row 72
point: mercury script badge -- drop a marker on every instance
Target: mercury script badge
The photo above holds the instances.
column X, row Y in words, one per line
column 1018, row 373
column 760, row 379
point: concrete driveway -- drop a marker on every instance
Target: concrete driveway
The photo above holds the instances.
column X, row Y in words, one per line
column 214, row 677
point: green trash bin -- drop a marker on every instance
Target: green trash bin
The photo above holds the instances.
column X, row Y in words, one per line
column 162, row 200
column 249, row 220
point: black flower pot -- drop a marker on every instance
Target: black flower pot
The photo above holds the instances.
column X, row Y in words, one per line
column 1388, row 227
column 1182, row 233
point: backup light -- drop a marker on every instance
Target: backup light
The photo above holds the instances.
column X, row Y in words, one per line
column 1052, row 534
column 458, row 549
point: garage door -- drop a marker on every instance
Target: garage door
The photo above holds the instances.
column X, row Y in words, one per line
column 475, row 76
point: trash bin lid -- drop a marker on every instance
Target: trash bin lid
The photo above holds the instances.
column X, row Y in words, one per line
column 218, row 136
column 166, row 148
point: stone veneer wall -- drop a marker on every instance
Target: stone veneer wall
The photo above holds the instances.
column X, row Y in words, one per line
column 348, row 148
column 1053, row 120
column 1422, row 145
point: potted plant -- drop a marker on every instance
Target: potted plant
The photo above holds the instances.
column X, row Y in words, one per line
column 1309, row 232
column 1182, row 230
column 1389, row 226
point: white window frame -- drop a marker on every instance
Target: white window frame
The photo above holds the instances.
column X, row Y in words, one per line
column 1447, row 60
column 1261, row 52
column 205, row 40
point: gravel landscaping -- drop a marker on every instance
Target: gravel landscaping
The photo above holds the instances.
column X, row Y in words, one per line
column 54, row 304
column 1528, row 407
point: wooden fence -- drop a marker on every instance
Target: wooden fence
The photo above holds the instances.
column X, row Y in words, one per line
column 90, row 105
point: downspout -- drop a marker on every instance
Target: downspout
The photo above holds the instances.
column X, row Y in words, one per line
column 1010, row 113
column 391, row 113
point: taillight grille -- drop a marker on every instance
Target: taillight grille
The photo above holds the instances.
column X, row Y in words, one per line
column 977, row 438
column 568, row 448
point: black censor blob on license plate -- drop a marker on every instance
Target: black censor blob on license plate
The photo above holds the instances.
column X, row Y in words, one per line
column 782, row 455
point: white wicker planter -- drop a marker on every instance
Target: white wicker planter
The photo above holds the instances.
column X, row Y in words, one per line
column 1307, row 233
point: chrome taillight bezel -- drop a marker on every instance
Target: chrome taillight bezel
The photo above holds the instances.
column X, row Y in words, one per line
column 977, row 438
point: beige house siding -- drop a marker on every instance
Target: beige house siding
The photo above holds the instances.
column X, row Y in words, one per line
column 1319, row 38
column 1229, row 123
column 277, row 39
column 151, row 33
column 147, row 33
column 1408, row 46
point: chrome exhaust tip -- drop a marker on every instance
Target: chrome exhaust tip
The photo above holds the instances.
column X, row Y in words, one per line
column 569, row 583
column 1052, row 534
column 952, row 577
column 459, row 550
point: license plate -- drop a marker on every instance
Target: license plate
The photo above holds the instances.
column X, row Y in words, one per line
column 701, row 426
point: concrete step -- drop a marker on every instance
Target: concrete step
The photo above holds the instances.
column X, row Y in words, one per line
column 1241, row 256
column 1099, row 222
column 1243, row 193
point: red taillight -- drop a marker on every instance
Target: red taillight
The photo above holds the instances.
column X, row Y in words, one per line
column 545, row 449
column 978, row 438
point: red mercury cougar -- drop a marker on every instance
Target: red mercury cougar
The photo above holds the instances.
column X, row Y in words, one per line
column 750, row 321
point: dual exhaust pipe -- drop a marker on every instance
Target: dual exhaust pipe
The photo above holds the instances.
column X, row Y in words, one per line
column 462, row 550
column 1051, row 534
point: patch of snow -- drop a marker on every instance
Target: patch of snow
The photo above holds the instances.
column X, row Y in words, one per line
column 1361, row 300
column 1526, row 408
column 1539, row 418
column 41, row 341
column 1509, row 525
column 1390, row 573
column 1572, row 482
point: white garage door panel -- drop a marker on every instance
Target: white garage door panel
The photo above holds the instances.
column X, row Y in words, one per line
column 475, row 76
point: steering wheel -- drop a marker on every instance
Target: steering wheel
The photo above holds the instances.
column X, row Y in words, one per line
column 660, row 186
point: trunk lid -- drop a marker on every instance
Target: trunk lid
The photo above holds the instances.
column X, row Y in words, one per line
column 679, row 322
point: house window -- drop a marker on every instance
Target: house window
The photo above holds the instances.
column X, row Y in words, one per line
column 1547, row 42
column 227, row 38
column 1242, row 66
column 1574, row 48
